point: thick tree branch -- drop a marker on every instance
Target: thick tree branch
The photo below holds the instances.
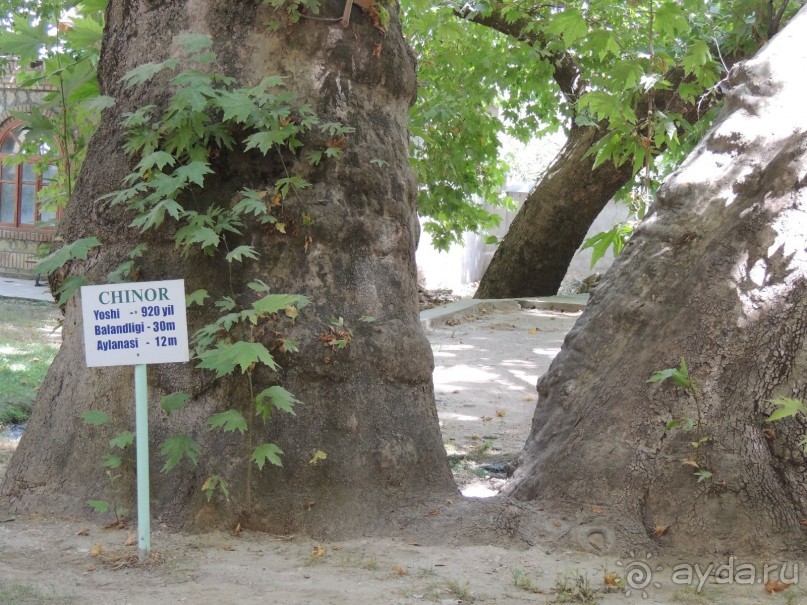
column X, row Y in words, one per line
column 567, row 72
column 776, row 20
column 570, row 78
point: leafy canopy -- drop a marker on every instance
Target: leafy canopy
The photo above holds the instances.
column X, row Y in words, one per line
column 632, row 70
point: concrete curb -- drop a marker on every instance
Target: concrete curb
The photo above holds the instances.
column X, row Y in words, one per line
column 25, row 289
column 431, row 318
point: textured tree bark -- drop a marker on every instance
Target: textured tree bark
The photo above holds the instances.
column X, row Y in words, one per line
column 717, row 273
column 553, row 221
column 369, row 407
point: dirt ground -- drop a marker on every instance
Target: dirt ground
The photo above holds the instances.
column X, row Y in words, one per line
column 487, row 363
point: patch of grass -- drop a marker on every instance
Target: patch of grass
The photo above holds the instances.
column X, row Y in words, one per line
column 794, row 598
column 463, row 463
column 524, row 582
column 689, row 595
column 574, row 587
column 28, row 343
column 12, row 593
column 359, row 561
column 483, row 448
column 460, row 590
column 710, row 595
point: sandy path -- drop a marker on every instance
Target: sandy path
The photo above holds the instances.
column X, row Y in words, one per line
column 486, row 367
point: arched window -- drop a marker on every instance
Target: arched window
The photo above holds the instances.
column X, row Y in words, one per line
column 19, row 184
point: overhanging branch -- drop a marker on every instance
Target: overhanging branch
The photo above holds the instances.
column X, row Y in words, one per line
column 567, row 72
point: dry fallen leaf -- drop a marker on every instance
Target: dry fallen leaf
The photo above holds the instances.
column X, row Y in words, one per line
column 237, row 531
column 400, row 570
column 769, row 433
column 414, row 544
column 500, row 413
column 84, row 532
column 597, row 510
column 318, row 551
column 690, row 462
column 229, row 548
column 661, row 530
column 336, row 547
column 434, row 512
column 774, row 586
column 337, row 142
column 527, row 398
column 131, row 539
column 611, row 579
column 534, row 331
column 96, row 550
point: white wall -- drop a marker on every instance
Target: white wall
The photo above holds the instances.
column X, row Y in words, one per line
column 462, row 267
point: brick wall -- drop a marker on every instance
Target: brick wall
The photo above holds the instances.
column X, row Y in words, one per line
column 19, row 251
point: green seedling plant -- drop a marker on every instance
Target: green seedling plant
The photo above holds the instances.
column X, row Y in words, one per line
column 120, row 455
column 524, row 582
column 787, row 407
column 681, row 378
column 217, row 350
column 574, row 587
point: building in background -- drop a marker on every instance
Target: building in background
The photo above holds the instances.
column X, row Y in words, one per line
column 462, row 266
column 24, row 228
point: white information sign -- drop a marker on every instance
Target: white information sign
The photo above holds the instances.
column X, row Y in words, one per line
column 135, row 324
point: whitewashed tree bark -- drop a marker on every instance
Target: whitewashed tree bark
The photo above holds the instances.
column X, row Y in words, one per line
column 717, row 274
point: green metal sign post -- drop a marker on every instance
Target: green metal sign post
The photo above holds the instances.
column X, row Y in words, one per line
column 142, row 444
column 136, row 324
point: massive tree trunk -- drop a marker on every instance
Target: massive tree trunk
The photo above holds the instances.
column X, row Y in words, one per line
column 716, row 274
column 534, row 256
column 349, row 246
